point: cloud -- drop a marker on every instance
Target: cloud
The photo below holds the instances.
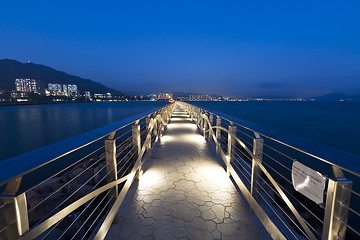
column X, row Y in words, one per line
column 272, row 85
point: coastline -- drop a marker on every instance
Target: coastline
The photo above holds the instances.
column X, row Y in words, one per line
column 37, row 103
column 65, row 102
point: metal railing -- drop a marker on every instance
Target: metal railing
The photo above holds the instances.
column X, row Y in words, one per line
column 260, row 162
column 84, row 180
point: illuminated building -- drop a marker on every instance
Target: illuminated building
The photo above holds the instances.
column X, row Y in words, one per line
column 99, row 95
column 55, row 89
column 47, row 92
column 19, row 95
column 152, row 97
column 27, row 85
column 72, row 90
column 102, row 95
column 69, row 90
column 65, row 90
column 165, row 96
column 87, row 95
column 205, row 97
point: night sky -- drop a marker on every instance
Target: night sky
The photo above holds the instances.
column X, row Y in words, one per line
column 232, row 48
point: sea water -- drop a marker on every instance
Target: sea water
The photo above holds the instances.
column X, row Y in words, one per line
column 25, row 128
column 335, row 124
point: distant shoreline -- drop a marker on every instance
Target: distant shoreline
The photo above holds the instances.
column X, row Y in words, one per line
column 62, row 102
column 36, row 103
column 131, row 100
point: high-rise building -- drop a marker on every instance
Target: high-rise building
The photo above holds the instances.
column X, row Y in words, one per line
column 55, row 89
column 65, row 90
column 87, row 95
column 21, row 85
column 72, row 90
column 165, row 96
column 205, row 97
column 34, row 86
column 152, row 96
column 27, row 85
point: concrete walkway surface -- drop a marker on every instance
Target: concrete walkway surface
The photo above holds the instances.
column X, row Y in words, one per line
column 184, row 193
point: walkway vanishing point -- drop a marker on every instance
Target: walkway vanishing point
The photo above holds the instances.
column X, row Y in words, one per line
column 132, row 180
column 185, row 193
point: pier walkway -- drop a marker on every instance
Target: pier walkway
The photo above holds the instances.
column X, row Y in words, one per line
column 133, row 179
column 185, row 193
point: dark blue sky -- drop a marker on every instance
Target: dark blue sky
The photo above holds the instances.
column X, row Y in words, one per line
column 235, row 48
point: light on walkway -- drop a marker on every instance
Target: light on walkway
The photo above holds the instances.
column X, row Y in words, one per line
column 148, row 178
column 191, row 139
column 189, row 126
column 176, row 119
column 228, row 158
column 215, row 174
column 167, row 138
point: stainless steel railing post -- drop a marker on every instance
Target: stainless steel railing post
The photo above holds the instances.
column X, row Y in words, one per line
column 211, row 120
column 205, row 126
column 111, row 169
column 336, row 214
column 231, row 147
column 159, row 129
column 197, row 117
column 218, row 134
column 201, row 123
column 14, row 220
column 148, row 147
column 136, row 142
column 155, row 126
column 255, row 170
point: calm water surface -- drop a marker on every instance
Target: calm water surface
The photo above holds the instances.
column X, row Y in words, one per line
column 336, row 124
column 24, row 128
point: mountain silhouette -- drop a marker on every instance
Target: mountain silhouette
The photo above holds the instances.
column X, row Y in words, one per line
column 335, row 96
column 12, row 69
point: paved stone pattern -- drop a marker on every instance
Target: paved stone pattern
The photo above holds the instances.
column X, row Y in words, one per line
column 184, row 193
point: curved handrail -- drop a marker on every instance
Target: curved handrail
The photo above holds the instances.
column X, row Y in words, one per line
column 337, row 190
column 42, row 227
column 161, row 117
column 16, row 167
column 237, row 139
column 334, row 157
column 282, row 194
column 104, row 228
column 203, row 116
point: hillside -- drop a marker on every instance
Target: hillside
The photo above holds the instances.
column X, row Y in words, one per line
column 11, row 69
